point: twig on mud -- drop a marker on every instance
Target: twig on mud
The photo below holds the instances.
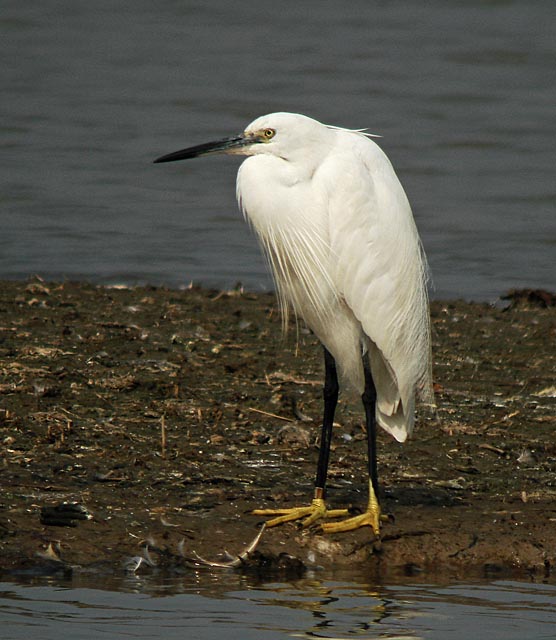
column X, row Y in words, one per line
column 162, row 437
column 236, row 561
column 505, row 418
column 489, row 447
column 270, row 415
column 283, row 377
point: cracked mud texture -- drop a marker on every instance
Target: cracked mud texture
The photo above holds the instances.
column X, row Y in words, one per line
column 169, row 415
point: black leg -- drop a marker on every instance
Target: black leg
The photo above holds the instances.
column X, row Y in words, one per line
column 369, row 403
column 330, row 394
column 371, row 516
column 317, row 509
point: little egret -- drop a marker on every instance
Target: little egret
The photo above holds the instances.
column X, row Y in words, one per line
column 338, row 232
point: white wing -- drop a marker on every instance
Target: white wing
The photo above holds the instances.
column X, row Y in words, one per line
column 380, row 272
column 346, row 256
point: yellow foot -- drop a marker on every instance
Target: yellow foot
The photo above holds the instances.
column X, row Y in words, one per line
column 315, row 511
column 371, row 518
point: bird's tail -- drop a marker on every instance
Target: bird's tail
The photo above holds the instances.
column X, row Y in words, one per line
column 395, row 407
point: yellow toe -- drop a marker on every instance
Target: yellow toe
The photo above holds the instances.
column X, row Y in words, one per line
column 363, row 520
column 315, row 511
column 370, row 518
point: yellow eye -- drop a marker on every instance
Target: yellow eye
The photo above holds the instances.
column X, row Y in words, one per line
column 268, row 133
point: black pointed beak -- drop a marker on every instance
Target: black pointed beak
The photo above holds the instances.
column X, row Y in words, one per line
column 235, row 144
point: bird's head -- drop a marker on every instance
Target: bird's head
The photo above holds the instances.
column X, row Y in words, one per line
column 278, row 134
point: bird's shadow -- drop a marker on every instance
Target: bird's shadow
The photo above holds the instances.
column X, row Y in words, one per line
column 422, row 496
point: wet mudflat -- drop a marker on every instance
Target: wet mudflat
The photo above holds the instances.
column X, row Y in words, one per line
column 169, row 415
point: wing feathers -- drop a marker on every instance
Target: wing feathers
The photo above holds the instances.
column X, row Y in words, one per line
column 346, row 256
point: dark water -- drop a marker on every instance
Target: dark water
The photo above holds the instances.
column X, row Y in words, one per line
column 463, row 94
column 202, row 609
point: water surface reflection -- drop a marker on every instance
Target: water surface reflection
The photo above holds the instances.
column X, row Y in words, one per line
column 206, row 606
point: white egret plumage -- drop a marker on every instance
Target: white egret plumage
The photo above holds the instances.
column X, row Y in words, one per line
column 337, row 228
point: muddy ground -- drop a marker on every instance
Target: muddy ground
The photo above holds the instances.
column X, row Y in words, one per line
column 169, row 415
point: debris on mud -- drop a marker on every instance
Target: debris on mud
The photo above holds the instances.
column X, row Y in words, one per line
column 169, row 415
